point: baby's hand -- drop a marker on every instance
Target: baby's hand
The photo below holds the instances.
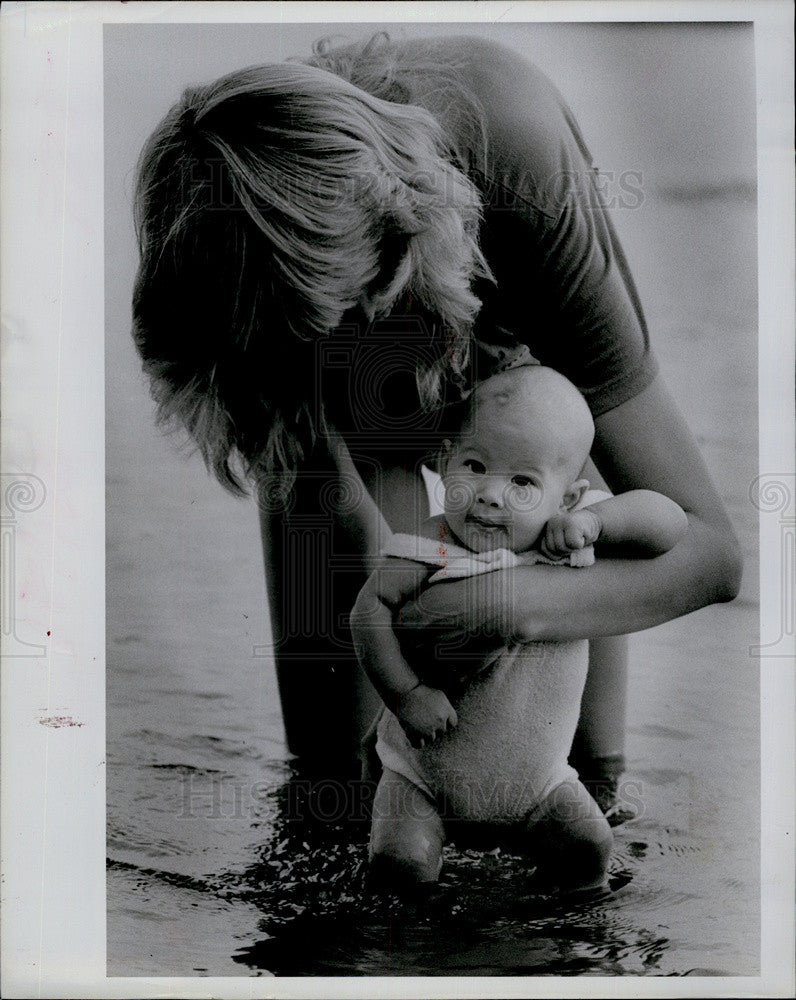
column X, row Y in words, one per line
column 565, row 533
column 425, row 713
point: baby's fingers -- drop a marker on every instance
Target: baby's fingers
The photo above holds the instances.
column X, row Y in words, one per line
column 548, row 540
column 574, row 537
column 554, row 541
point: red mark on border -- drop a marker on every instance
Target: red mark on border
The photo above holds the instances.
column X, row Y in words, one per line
column 59, row 721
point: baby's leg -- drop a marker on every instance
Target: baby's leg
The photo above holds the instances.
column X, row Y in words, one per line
column 570, row 839
column 406, row 834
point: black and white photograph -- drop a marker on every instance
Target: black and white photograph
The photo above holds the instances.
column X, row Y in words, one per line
column 344, row 229
column 434, row 406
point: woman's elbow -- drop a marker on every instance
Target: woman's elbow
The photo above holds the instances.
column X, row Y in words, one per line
column 718, row 561
column 729, row 571
column 673, row 529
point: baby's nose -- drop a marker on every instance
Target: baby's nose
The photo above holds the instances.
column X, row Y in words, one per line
column 490, row 495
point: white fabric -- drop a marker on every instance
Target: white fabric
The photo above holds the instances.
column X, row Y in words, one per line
column 517, row 718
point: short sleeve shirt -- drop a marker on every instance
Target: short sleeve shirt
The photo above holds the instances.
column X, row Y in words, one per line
column 562, row 290
column 563, row 286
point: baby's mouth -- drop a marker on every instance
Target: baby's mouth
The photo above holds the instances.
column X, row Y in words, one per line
column 486, row 524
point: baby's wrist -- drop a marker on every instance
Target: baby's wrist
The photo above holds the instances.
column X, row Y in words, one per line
column 405, row 692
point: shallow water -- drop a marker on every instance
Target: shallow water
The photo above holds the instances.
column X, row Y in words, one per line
column 290, row 898
column 208, row 874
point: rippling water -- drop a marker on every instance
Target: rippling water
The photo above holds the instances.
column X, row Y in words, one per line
column 210, row 873
column 292, row 898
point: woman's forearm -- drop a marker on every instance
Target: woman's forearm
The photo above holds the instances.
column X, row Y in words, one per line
column 617, row 596
column 647, row 521
column 613, row 597
column 643, row 444
column 358, row 514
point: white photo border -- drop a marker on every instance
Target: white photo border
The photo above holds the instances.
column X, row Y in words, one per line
column 53, row 813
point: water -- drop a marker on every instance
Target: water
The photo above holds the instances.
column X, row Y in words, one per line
column 207, row 873
column 292, row 898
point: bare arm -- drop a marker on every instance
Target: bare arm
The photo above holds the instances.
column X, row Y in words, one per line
column 643, row 519
column 642, row 444
column 386, row 589
column 357, row 512
column 310, row 597
column 424, row 712
column 639, row 522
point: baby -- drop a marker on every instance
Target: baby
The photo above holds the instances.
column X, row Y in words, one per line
column 488, row 740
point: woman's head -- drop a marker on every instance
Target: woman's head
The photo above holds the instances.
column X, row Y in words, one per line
column 269, row 204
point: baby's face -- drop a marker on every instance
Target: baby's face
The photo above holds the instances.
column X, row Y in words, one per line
column 503, row 482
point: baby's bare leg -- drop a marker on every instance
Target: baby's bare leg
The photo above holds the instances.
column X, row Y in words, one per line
column 570, row 839
column 406, row 834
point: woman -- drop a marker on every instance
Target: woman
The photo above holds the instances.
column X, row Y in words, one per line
column 332, row 250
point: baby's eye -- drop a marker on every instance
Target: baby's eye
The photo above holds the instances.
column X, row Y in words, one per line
column 524, row 482
column 474, row 466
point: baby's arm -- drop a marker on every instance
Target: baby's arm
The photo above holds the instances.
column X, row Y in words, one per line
column 423, row 711
column 649, row 523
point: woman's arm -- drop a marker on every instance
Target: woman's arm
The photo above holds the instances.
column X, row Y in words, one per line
column 318, row 548
column 641, row 444
column 636, row 523
column 361, row 518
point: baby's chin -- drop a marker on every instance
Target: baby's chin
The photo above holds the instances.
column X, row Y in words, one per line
column 478, row 538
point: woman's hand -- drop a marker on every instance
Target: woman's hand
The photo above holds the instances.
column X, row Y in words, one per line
column 642, row 444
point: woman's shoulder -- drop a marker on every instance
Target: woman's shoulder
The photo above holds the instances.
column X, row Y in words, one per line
column 530, row 133
column 489, row 65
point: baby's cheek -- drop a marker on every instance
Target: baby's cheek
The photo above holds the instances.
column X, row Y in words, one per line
column 459, row 495
column 525, row 532
column 524, row 499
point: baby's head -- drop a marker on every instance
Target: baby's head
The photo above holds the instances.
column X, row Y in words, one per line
column 516, row 460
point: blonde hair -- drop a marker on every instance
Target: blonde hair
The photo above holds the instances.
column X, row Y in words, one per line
column 268, row 204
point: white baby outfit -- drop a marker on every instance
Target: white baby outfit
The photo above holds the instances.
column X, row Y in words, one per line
column 516, row 717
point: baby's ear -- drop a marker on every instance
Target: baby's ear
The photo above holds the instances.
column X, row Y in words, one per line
column 574, row 494
column 443, row 456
